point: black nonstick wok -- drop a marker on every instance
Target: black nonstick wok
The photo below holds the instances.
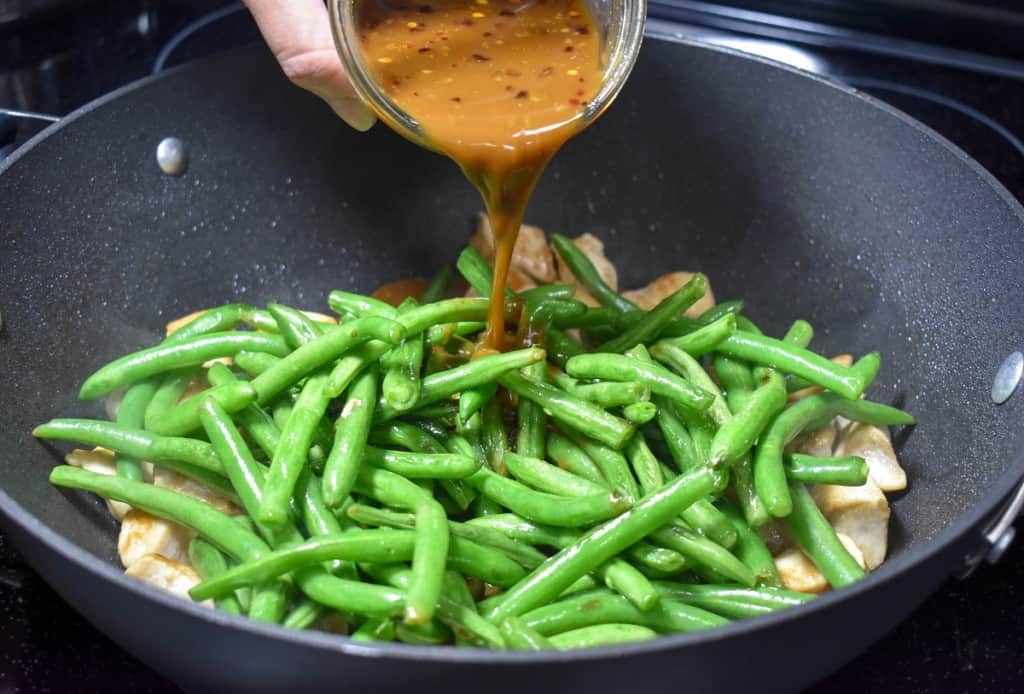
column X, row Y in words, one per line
column 802, row 197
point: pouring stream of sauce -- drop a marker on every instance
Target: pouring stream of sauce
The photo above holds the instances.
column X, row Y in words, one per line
column 497, row 85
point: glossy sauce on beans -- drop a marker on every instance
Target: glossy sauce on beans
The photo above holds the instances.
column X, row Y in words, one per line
column 497, row 85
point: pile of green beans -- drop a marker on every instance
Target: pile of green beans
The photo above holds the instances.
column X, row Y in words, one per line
column 602, row 482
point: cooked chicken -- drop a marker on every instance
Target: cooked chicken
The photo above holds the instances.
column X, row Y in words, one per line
column 814, row 442
column 169, row 479
column 166, row 574
column 532, row 260
column 800, row 574
column 861, row 512
column 650, row 296
column 143, row 534
column 873, row 444
column 593, row 248
column 101, row 461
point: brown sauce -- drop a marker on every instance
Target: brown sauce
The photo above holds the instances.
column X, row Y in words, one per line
column 497, row 85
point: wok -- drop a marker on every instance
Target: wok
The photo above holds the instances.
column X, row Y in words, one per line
column 804, row 198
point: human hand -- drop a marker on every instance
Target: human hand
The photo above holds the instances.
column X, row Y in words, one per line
column 299, row 34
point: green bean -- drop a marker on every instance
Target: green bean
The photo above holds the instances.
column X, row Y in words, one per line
column 736, row 379
column 183, row 418
column 531, row 420
column 769, row 472
column 477, row 271
column 401, row 384
column 703, row 551
column 616, row 367
column 726, row 308
column 604, row 394
column 741, row 476
column 851, row 471
column 746, row 325
column 255, row 363
column 752, row 551
column 601, row 635
column 737, row 435
column 819, row 541
column 295, row 327
column 601, row 607
column 290, row 456
column 438, row 335
column 640, row 412
column 375, row 630
column 209, row 563
column 132, row 413
column 614, row 467
column 549, row 478
column 623, row 578
column 323, row 350
column 155, row 360
column 654, row 321
column 478, row 372
column 438, row 286
column 172, row 386
column 421, row 465
column 644, row 464
column 800, row 334
column 521, row 553
column 350, row 438
column 432, row 633
column 600, row 317
column 689, row 368
column 520, row 637
column 561, row 347
column 795, row 360
column 415, row 439
column 213, row 320
column 136, row 443
column 579, row 415
column 584, row 271
column 493, row 437
column 546, row 508
column 304, row 616
column 432, row 539
column 732, row 601
column 547, row 292
column 462, row 618
column 359, row 305
column 570, row 457
column 705, row 338
column 549, row 579
column 676, row 436
column 472, row 400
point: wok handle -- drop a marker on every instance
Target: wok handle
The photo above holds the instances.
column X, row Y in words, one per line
column 999, row 535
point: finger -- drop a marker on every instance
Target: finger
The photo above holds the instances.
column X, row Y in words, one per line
column 298, row 33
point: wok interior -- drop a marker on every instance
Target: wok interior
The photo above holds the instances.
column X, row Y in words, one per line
column 804, row 201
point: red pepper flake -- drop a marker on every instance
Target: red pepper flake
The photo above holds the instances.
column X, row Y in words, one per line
column 465, row 22
column 545, row 72
column 522, row 94
column 574, row 102
column 507, row 13
column 415, row 93
column 509, row 88
column 425, row 49
column 579, row 92
column 424, row 9
column 457, row 99
column 488, row 34
column 568, row 49
column 583, row 30
column 480, row 58
column 513, row 73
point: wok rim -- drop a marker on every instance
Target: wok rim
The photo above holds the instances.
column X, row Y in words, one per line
column 889, row 571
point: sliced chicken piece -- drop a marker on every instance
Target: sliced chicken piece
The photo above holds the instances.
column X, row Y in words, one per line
column 166, row 574
column 650, row 296
column 168, row 479
column 873, row 444
column 800, row 574
column 593, row 248
column 143, row 534
column 102, row 462
column 818, row 441
column 862, row 513
column 841, row 359
column 532, row 259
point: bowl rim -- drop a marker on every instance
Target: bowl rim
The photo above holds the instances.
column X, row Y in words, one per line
column 982, row 510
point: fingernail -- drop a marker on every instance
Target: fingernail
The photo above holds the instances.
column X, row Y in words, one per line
column 354, row 112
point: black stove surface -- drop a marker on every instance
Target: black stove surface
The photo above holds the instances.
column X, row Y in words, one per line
column 969, row 637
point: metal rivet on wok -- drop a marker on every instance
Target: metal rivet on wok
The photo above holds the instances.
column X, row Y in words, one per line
column 172, row 156
column 1007, row 378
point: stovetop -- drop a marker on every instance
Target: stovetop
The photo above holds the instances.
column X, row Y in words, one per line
column 969, row 637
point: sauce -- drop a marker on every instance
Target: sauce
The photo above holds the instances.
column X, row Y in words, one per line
column 497, row 85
